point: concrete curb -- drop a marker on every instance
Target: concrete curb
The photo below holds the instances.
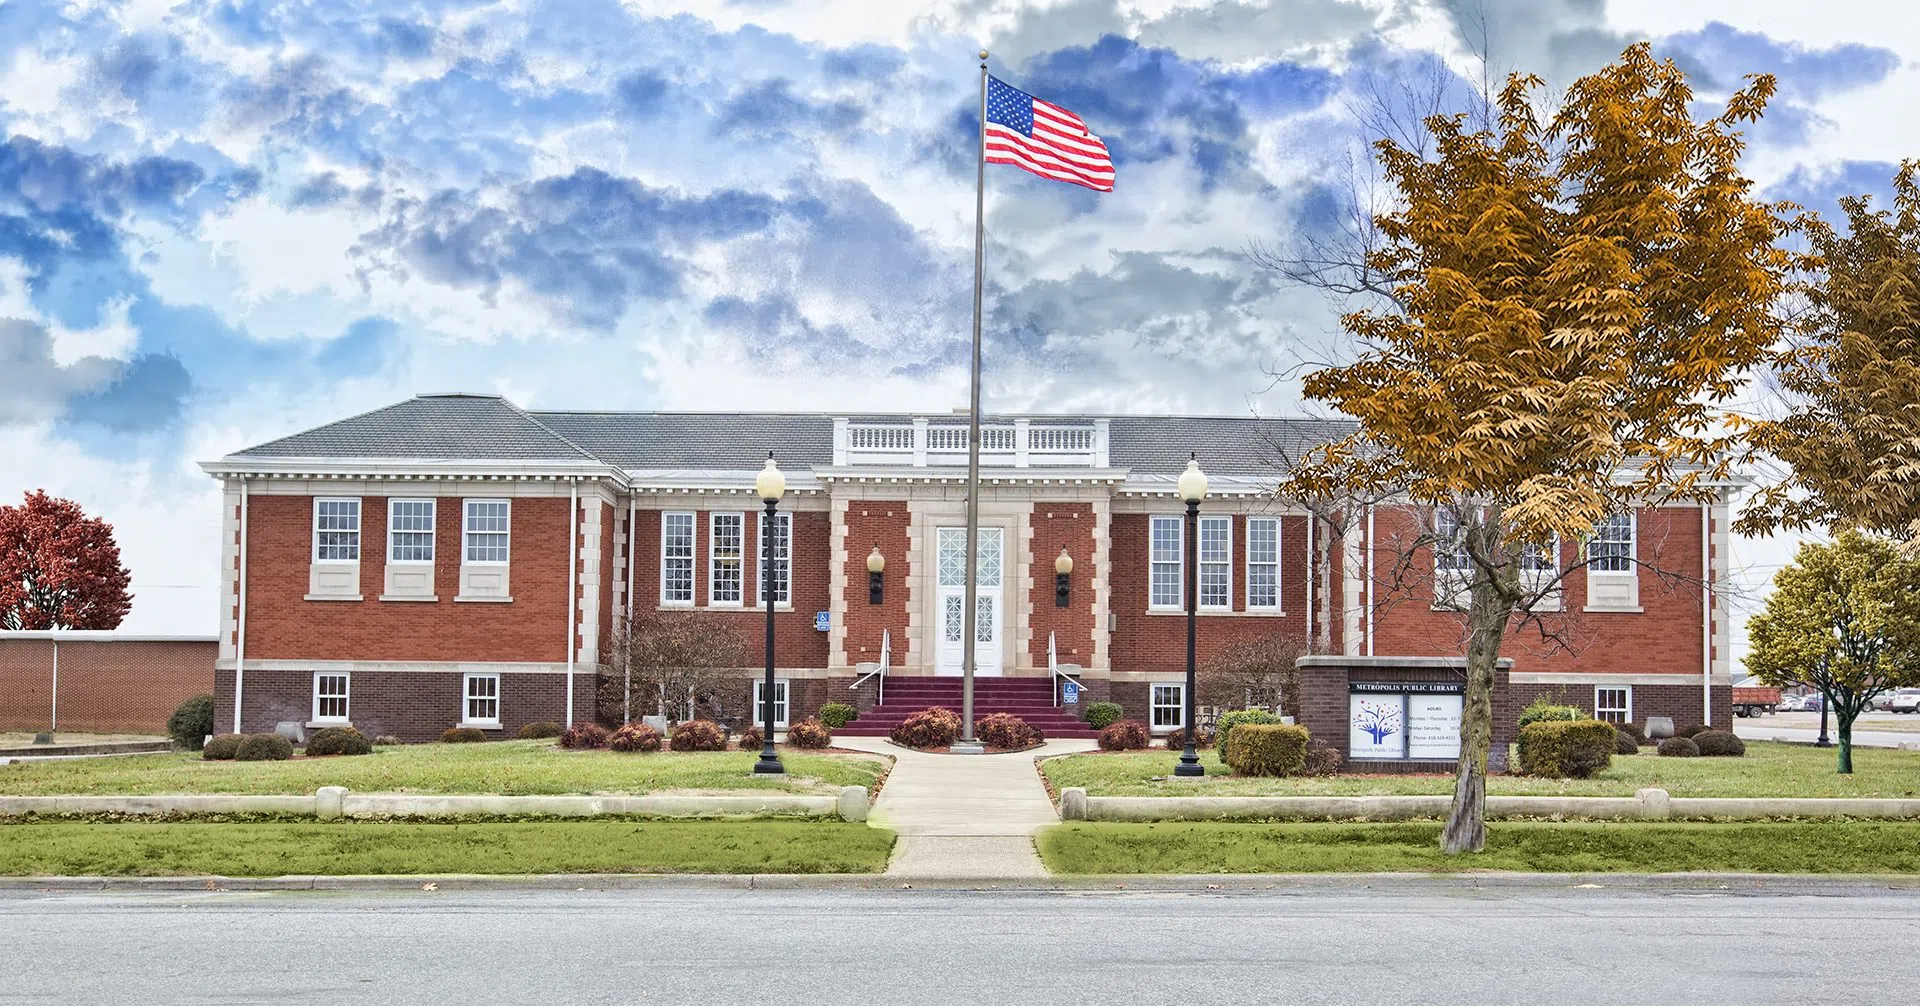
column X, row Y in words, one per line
column 332, row 802
column 1746, row 883
column 1644, row 805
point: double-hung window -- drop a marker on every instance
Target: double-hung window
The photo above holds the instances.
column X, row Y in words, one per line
column 779, row 702
column 482, row 700
column 330, row 697
column 780, row 543
column 1263, row 563
column 1168, row 707
column 486, row 530
column 1613, row 703
column 1216, row 562
column 336, row 530
column 1449, row 544
column 1610, row 550
column 1163, row 576
column 723, row 557
column 409, row 530
column 676, row 558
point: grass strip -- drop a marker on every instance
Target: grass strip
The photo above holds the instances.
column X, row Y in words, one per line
column 57, row 848
column 513, row 768
column 1768, row 770
column 1205, row 847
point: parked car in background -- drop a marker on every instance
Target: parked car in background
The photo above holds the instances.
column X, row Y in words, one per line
column 1906, row 700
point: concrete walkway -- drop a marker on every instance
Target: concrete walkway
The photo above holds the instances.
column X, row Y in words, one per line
column 964, row 815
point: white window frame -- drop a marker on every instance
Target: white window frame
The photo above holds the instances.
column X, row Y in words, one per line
column 1631, row 559
column 692, row 523
column 467, row 532
column 1541, row 560
column 467, row 699
column 1449, row 546
column 784, row 595
column 345, row 696
column 358, row 512
column 1626, row 711
column 1155, row 707
column 1202, row 563
column 716, row 562
column 781, row 706
column 1273, row 522
column 1179, row 562
column 393, row 545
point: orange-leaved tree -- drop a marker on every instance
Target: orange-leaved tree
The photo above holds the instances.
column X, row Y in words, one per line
column 1575, row 298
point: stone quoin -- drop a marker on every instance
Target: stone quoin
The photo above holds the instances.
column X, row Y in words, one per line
column 458, row 560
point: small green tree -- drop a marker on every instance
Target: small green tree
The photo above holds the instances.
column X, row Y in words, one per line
column 1843, row 618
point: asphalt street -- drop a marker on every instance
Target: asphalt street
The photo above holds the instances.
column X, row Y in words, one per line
column 889, row 947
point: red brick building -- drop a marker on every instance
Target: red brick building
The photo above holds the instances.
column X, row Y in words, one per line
column 458, row 560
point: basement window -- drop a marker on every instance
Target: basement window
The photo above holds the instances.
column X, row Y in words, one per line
column 1168, row 706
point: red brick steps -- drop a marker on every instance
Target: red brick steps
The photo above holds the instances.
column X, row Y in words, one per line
column 1031, row 699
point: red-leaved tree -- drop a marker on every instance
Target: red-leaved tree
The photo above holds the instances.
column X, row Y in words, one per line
column 59, row 568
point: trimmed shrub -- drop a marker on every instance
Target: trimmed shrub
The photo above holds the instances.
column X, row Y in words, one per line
column 1690, row 732
column 1177, row 739
column 1322, row 759
column 1268, row 749
column 221, row 748
column 1560, row 749
column 631, row 738
column 1719, row 744
column 1679, row 747
column 1624, row 744
column 1005, row 730
column 263, row 747
column 933, row 727
column 1101, row 715
column 338, row 741
column 1233, row 718
column 838, row 714
column 1125, row 735
column 699, row 735
column 386, row 741
column 584, row 737
column 809, row 733
column 749, row 739
column 1633, row 730
column 191, row 722
column 462, row 735
column 1541, row 710
column 539, row 731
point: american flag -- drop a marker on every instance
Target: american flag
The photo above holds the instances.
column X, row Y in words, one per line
column 1044, row 138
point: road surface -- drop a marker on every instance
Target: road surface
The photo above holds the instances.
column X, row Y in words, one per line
column 1875, row 730
column 881, row 948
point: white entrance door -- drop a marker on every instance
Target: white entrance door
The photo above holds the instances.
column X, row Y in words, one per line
column 951, row 601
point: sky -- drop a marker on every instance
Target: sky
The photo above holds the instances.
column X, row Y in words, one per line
column 222, row 222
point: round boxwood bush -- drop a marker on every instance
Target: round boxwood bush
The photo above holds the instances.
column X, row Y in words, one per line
column 1004, row 730
column 809, row 733
column 1223, row 730
column 933, row 727
column 1126, row 735
column 1679, row 747
column 263, row 747
column 750, row 739
column 838, row 714
column 462, row 735
column 1540, row 709
column 699, row 735
column 1719, row 744
column 1690, row 732
column 1566, row 749
column 1624, row 744
column 1632, row 730
column 221, row 748
column 191, row 722
column 1269, row 749
column 338, row 741
column 635, row 737
column 539, row 731
column 584, row 737
column 1101, row 715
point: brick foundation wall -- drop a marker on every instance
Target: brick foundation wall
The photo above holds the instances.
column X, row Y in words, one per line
column 106, row 686
column 881, row 523
column 415, row 706
column 1680, row 701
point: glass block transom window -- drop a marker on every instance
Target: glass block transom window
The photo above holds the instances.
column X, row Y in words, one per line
column 952, row 557
column 330, row 697
column 483, row 698
column 955, row 609
column 486, row 530
column 1169, row 706
column 336, row 530
column 676, row 558
column 1164, row 560
column 1216, row 562
column 1610, row 550
column 1263, row 562
column 724, row 549
column 410, row 530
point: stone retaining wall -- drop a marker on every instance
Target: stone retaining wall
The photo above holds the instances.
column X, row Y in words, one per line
column 1644, row 805
column 332, row 802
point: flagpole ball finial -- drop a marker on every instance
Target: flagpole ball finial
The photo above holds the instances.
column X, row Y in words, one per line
column 983, row 55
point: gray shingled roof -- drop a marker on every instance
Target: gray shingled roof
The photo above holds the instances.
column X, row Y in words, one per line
column 484, row 427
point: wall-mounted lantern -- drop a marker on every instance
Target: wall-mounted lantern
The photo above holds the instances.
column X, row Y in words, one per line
column 876, row 575
column 1062, row 569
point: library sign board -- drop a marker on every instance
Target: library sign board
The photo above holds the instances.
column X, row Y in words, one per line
column 1404, row 720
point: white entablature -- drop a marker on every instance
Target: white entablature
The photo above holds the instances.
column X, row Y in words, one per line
column 922, row 443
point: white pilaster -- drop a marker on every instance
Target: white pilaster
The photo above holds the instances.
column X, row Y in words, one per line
column 837, row 575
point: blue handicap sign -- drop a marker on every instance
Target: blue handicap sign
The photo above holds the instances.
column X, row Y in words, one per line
column 1070, row 693
column 822, row 621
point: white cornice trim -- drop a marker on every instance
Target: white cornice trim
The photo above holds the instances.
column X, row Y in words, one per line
column 414, row 468
column 101, row 636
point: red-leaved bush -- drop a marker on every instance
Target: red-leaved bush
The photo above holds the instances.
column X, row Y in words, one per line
column 1005, row 730
column 809, row 733
column 932, row 727
column 750, row 739
column 633, row 737
column 1126, row 735
column 584, row 736
column 699, row 735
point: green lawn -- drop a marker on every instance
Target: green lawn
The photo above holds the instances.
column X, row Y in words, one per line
column 511, row 767
column 1790, row 847
column 372, row 847
column 1769, row 769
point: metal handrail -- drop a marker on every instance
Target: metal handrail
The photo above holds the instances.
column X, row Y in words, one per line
column 1054, row 672
column 886, row 657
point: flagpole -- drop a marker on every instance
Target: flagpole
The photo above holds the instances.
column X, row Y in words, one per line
column 970, row 616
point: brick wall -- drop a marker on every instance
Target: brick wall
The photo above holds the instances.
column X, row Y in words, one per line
column 281, row 624
column 1681, row 701
column 106, row 686
column 414, row 706
column 1158, row 642
column 882, row 523
column 796, row 642
column 1057, row 526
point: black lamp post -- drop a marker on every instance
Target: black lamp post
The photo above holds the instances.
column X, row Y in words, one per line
column 1193, row 489
column 771, row 485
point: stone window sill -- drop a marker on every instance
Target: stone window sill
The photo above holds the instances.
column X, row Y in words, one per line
column 480, row 724
column 470, row 599
column 335, row 597
column 1221, row 612
column 1615, row 608
column 410, row 597
column 317, row 724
